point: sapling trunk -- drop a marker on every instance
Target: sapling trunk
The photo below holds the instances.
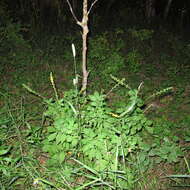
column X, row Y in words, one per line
column 84, row 25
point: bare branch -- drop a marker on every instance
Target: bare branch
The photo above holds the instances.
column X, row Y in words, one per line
column 95, row 1
column 74, row 16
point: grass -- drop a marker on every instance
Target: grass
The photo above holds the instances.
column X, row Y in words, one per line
column 23, row 164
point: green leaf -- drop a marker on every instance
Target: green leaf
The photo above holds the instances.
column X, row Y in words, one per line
column 59, row 122
column 149, row 122
column 74, row 142
column 60, row 138
column 145, row 147
column 150, row 130
column 142, row 157
column 153, row 152
column 4, row 151
column 101, row 164
column 46, row 148
column 69, row 138
column 87, row 147
column 133, row 131
column 51, row 129
column 62, row 157
column 52, row 136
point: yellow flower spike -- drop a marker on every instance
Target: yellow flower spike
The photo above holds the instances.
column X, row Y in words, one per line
column 114, row 115
column 53, row 85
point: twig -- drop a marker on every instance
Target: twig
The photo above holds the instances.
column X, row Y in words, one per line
column 92, row 6
column 74, row 16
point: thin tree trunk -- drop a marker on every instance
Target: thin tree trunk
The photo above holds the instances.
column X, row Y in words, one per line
column 150, row 10
column 167, row 9
column 84, row 25
column 84, row 45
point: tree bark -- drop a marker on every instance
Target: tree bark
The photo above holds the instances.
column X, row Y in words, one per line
column 84, row 26
column 150, row 10
column 167, row 9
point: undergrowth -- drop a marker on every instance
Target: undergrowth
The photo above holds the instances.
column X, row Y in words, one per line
column 101, row 140
column 83, row 142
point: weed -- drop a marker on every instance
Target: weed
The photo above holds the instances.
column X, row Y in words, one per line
column 15, row 50
column 180, row 180
column 105, row 57
column 86, row 143
column 102, row 139
column 134, row 60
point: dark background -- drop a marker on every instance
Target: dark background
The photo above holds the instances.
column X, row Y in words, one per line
column 54, row 15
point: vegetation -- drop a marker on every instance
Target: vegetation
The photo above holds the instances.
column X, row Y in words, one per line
column 130, row 130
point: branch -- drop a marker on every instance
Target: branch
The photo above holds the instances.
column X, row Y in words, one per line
column 95, row 1
column 74, row 16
